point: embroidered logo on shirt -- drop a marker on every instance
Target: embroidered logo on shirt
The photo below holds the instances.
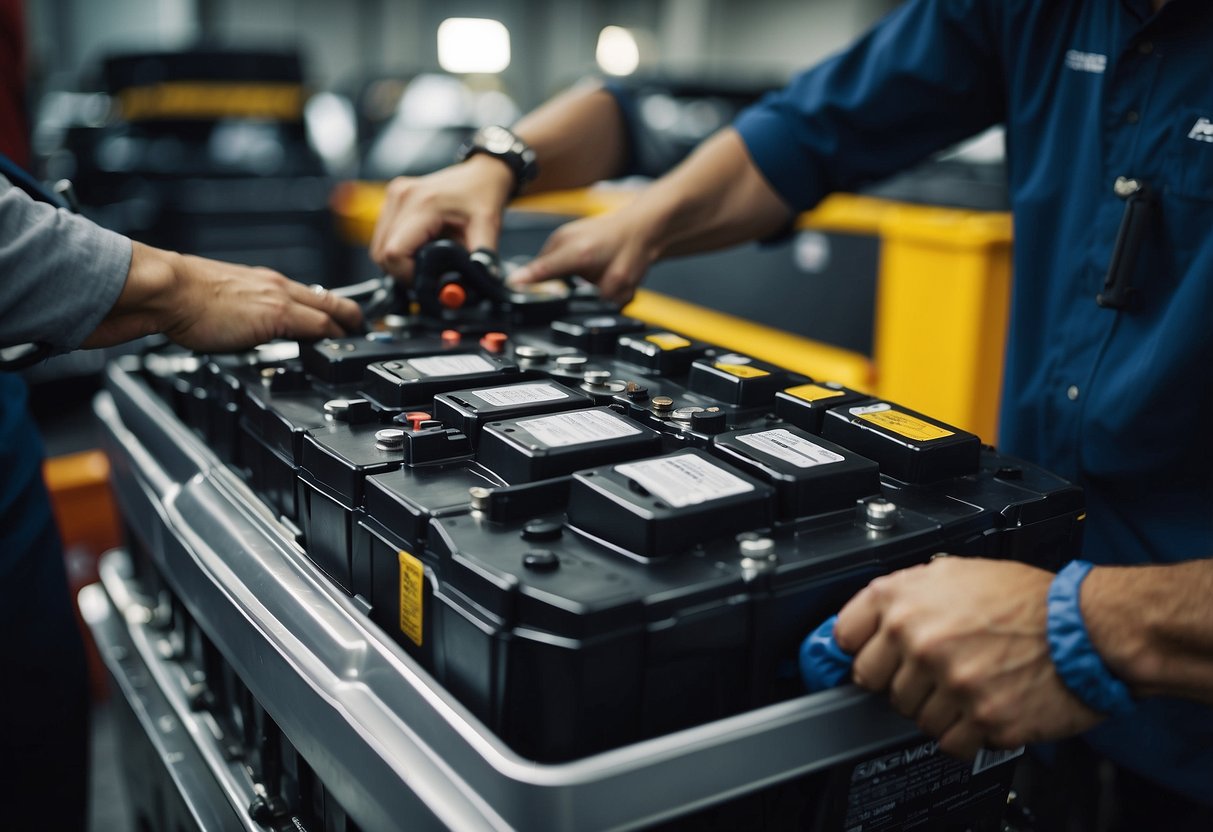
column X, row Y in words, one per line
column 1086, row 61
column 1202, row 131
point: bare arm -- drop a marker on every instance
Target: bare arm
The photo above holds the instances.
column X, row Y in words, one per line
column 211, row 306
column 1153, row 626
column 716, row 198
column 578, row 138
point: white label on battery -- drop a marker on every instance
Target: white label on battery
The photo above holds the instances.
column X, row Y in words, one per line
column 790, row 448
column 578, row 428
column 600, row 323
column 520, row 394
column 451, row 365
column 684, row 480
column 870, row 408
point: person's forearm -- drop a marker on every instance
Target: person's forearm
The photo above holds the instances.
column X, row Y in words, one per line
column 578, row 138
column 714, row 199
column 1153, row 626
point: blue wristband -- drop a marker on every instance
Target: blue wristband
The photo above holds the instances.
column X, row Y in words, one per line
column 823, row 664
column 1079, row 666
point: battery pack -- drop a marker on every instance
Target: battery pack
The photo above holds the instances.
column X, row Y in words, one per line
column 414, row 381
column 660, row 352
column 737, row 379
column 810, row 475
column 535, row 448
column 907, row 445
column 805, row 405
column 469, row 409
column 662, row 506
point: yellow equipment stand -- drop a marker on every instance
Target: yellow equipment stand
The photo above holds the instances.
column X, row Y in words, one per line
column 943, row 295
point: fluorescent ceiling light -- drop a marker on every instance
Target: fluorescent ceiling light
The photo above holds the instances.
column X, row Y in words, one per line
column 473, row 44
column 618, row 52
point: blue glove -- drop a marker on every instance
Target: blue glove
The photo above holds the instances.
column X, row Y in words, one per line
column 823, row 664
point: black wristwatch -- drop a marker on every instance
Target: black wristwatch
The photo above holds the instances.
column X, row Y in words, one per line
column 502, row 144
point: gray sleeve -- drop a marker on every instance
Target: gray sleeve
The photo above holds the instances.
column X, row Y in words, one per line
column 59, row 273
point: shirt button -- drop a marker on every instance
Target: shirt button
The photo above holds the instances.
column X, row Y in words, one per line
column 1145, row 47
column 1072, row 392
column 1132, row 117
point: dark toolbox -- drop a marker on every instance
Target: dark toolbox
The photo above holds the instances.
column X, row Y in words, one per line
column 576, row 554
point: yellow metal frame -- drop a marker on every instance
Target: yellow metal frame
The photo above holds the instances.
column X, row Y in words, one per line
column 943, row 295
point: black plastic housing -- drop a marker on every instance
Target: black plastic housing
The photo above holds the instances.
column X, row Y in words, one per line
column 737, row 379
column 469, row 409
column 805, row 405
column 662, row 506
column 907, row 445
column 810, row 475
column 535, row 448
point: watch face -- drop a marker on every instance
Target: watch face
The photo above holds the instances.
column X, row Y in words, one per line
column 497, row 140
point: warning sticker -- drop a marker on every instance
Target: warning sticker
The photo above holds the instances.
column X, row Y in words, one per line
column 684, row 480
column 813, row 392
column 451, row 365
column 791, row 448
column 900, row 423
column 520, row 394
column 668, row 340
column 578, row 427
column 412, row 584
column 741, row 370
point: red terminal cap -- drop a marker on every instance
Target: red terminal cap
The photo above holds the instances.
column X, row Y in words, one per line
column 494, row 341
column 451, row 336
column 452, row 296
column 416, row 417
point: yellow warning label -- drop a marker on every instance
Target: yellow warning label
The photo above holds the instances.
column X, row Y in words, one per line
column 906, row 425
column 741, row 370
column 813, row 392
column 668, row 340
column 412, row 584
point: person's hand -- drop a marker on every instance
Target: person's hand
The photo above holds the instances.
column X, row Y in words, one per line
column 463, row 202
column 210, row 306
column 960, row 644
column 613, row 251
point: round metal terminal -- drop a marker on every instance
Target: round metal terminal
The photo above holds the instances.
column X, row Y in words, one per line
column 542, row 530
column 571, row 362
column 755, row 546
column 636, row 392
column 479, row 495
column 880, row 514
column 757, row 554
column 662, row 404
column 596, row 378
column 684, row 414
column 526, row 352
column 336, row 407
column 389, row 439
column 541, row 560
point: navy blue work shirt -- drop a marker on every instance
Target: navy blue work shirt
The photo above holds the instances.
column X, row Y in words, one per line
column 1120, row 402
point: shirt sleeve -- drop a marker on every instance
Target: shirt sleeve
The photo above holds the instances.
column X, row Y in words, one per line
column 925, row 77
column 59, row 273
